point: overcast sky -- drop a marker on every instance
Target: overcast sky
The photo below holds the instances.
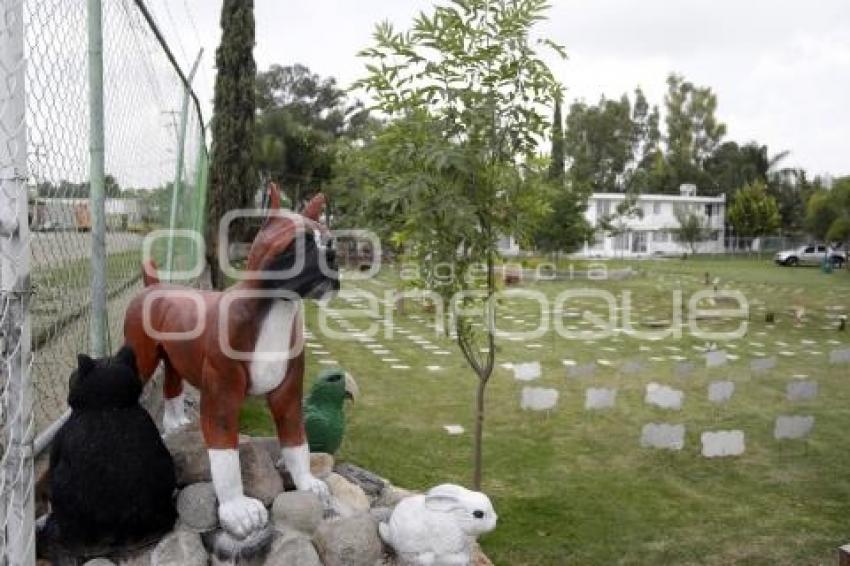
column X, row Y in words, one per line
column 781, row 68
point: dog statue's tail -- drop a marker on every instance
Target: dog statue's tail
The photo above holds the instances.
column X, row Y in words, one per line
column 149, row 276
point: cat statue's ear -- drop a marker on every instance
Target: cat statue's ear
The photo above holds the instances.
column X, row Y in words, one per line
column 84, row 364
column 127, row 357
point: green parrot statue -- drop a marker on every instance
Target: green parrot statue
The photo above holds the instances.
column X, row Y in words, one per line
column 324, row 419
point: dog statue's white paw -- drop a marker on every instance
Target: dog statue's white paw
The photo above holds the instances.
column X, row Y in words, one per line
column 242, row 515
column 317, row 486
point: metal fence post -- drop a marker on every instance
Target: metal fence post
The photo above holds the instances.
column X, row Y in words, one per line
column 177, row 187
column 99, row 326
column 17, row 513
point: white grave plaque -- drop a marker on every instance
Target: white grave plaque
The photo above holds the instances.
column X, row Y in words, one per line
column 539, row 398
column 664, row 397
column 721, row 391
column 722, row 443
column 600, row 398
column 793, row 428
column 527, row 372
column 663, row 436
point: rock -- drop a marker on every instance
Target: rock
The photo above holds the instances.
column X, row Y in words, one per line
column 297, row 510
column 269, row 444
column 138, row 558
column 260, row 478
column 321, row 464
column 292, row 549
column 349, row 499
column 479, row 558
column 349, row 541
column 99, row 562
column 191, row 462
column 371, row 484
column 391, row 495
column 249, row 551
column 381, row 514
column 180, row 548
column 197, row 506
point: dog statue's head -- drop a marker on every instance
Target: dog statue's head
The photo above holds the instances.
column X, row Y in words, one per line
column 293, row 252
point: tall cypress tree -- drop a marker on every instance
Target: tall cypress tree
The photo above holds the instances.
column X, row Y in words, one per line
column 233, row 178
column 557, row 167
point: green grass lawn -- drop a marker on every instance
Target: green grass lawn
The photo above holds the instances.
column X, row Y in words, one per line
column 573, row 486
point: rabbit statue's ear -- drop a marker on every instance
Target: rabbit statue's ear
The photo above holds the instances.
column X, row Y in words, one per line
column 442, row 503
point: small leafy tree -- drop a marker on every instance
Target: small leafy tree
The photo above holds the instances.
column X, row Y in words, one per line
column 753, row 212
column 692, row 229
column 469, row 84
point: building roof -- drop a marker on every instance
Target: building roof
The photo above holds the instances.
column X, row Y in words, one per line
column 660, row 197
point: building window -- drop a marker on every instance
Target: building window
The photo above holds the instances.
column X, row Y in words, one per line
column 660, row 237
column 708, row 211
column 656, row 208
column 621, row 242
column 603, row 207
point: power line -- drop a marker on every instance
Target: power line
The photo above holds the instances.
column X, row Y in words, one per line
column 175, row 30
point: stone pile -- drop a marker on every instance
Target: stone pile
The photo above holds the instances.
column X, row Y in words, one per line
column 304, row 531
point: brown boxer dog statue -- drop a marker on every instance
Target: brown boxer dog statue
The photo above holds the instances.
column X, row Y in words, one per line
column 245, row 342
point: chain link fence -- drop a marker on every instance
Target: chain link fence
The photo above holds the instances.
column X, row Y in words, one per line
column 154, row 163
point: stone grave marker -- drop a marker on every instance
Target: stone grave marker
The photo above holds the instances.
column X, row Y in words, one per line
column 663, row 436
column 801, row 390
column 664, row 397
column 840, row 356
column 759, row 365
column 585, row 370
column 715, row 358
column 600, row 398
column 721, row 391
column 793, row 427
column 527, row 371
column 723, row 443
column 539, row 398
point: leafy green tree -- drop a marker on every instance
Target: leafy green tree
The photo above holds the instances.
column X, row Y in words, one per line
column 828, row 214
column 233, row 176
column 562, row 227
column 645, row 129
column 557, row 163
column 470, row 84
column 302, row 117
column 599, row 143
column 691, row 230
column 753, row 212
column 693, row 131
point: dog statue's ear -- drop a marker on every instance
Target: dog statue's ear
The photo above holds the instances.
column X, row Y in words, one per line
column 315, row 207
column 126, row 356
column 274, row 196
column 84, row 364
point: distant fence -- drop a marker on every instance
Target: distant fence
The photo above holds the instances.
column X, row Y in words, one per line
column 101, row 141
column 765, row 245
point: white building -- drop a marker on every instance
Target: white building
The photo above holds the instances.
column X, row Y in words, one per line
column 652, row 234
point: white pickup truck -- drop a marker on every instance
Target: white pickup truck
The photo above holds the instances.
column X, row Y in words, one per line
column 812, row 254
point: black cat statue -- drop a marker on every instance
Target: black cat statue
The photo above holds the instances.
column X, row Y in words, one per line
column 111, row 477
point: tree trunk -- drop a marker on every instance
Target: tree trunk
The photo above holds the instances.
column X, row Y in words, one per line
column 478, row 442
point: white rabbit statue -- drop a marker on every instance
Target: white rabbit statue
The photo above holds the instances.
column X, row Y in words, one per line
column 438, row 528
